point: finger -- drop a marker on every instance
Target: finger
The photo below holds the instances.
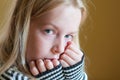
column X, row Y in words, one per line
column 74, row 48
column 33, row 68
column 64, row 64
column 55, row 62
column 41, row 65
column 73, row 55
column 68, row 43
column 67, row 59
column 49, row 65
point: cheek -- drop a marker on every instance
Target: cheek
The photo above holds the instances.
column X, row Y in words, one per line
column 68, row 40
column 39, row 49
column 43, row 46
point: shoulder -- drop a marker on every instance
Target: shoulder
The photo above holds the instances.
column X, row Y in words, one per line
column 13, row 74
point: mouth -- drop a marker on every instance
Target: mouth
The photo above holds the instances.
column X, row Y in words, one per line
column 51, row 59
column 55, row 57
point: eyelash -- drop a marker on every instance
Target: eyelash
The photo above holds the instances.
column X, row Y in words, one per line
column 69, row 36
column 47, row 31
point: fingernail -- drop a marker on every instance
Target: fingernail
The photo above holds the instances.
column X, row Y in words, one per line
column 68, row 44
column 39, row 61
column 32, row 63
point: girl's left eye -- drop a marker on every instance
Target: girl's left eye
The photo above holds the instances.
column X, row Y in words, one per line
column 69, row 36
column 49, row 31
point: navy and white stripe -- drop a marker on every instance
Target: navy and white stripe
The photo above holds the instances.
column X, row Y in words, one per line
column 13, row 74
column 53, row 74
column 74, row 72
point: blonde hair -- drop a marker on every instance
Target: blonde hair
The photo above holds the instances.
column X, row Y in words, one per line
column 13, row 41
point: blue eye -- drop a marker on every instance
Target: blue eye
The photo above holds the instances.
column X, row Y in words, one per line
column 49, row 31
column 68, row 36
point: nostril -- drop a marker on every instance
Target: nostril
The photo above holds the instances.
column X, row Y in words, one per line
column 57, row 50
column 54, row 50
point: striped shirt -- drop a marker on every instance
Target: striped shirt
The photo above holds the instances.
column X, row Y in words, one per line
column 74, row 72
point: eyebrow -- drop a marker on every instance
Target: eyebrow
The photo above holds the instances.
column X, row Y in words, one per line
column 75, row 32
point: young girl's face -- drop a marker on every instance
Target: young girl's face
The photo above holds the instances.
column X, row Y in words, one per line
column 49, row 34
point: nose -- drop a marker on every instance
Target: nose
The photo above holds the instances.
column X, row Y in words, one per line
column 59, row 46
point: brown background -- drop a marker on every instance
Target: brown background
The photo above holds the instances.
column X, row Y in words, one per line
column 100, row 38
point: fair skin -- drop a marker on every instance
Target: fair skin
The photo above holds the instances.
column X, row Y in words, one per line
column 50, row 39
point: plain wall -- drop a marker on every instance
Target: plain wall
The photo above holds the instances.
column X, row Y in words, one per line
column 100, row 39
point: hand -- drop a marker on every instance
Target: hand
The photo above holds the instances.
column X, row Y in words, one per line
column 39, row 66
column 71, row 56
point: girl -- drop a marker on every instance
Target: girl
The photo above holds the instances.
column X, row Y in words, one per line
column 42, row 41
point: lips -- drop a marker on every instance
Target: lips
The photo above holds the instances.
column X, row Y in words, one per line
column 51, row 58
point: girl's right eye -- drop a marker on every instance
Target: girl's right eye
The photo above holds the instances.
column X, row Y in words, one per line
column 49, row 31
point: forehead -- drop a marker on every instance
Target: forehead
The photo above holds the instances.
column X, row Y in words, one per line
column 62, row 17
